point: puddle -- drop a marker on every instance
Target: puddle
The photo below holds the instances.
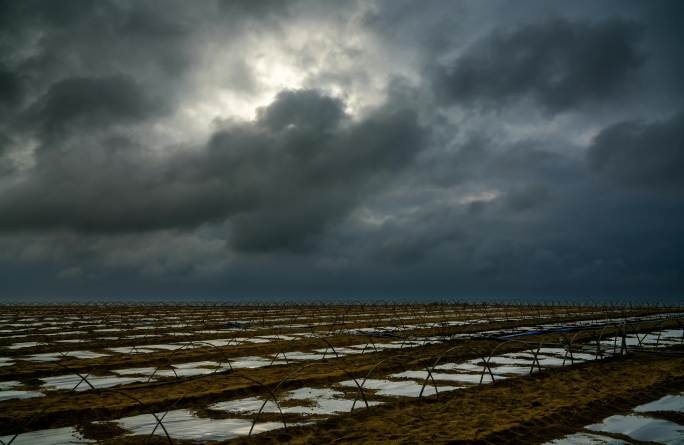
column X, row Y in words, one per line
column 553, row 351
column 467, row 367
column 184, row 372
column 70, row 381
column 56, row 436
column 406, row 388
column 8, row 391
column 9, row 385
column 183, row 424
column 55, row 356
column 19, row 394
column 168, row 346
column 512, row 363
column 298, row 355
column 552, row 362
column 85, row 354
column 381, row 346
column 45, row 357
column 509, row 359
column 667, row 338
column 341, row 351
column 245, row 405
column 136, row 371
column 195, row 364
column 672, row 336
column 515, row 370
column 327, row 401
column 439, row 376
column 278, row 337
column 255, row 340
column 667, row 403
column 581, row 356
column 642, row 428
column 251, row 362
column 131, row 350
column 320, row 401
column 27, row 344
column 218, row 342
column 586, row 439
column 214, row 331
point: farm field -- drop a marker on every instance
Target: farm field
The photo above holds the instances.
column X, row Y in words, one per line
column 366, row 373
column 341, row 222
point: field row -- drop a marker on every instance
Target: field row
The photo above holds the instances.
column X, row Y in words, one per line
column 252, row 382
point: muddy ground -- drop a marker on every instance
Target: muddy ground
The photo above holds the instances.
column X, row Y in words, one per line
column 530, row 409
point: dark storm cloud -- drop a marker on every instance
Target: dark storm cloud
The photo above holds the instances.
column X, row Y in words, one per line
column 539, row 232
column 299, row 167
column 135, row 160
column 78, row 104
column 642, row 154
column 96, row 37
column 317, row 174
column 6, row 166
column 44, row 42
column 306, row 110
column 241, row 9
column 666, row 24
column 558, row 63
column 11, row 88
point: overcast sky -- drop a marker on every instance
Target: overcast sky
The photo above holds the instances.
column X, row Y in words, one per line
column 341, row 149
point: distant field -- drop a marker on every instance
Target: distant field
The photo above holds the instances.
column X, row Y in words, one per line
column 421, row 373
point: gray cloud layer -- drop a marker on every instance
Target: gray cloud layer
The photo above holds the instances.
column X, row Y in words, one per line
column 310, row 149
column 557, row 63
column 638, row 154
column 301, row 165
